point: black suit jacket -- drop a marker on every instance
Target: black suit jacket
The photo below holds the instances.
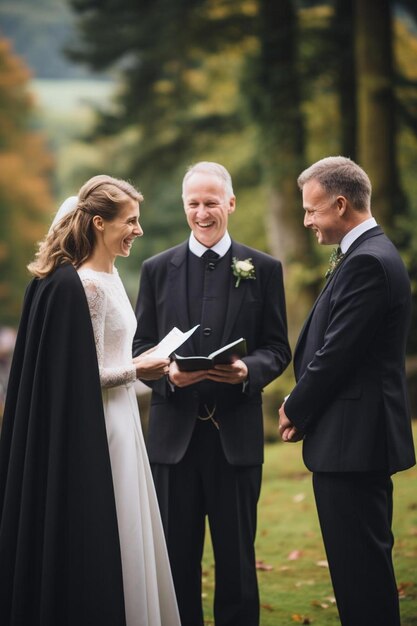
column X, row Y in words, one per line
column 256, row 311
column 351, row 396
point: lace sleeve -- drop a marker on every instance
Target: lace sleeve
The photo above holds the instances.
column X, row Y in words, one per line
column 97, row 300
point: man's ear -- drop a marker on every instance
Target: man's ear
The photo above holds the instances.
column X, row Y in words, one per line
column 232, row 204
column 341, row 203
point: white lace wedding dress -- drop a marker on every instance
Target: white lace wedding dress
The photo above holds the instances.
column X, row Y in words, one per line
column 147, row 581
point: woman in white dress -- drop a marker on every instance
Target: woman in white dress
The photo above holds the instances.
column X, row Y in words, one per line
column 94, row 228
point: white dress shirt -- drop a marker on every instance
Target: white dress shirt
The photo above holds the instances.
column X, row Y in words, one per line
column 356, row 232
column 221, row 247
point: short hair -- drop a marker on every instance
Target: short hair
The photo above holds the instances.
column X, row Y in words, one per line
column 72, row 239
column 213, row 169
column 340, row 176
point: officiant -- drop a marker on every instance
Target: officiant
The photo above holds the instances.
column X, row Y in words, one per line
column 205, row 434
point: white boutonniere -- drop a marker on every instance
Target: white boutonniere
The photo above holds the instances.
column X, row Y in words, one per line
column 243, row 270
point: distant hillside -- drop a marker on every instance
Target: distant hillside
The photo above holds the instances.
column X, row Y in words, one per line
column 39, row 31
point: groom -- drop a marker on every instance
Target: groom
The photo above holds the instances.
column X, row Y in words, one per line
column 350, row 401
column 205, row 438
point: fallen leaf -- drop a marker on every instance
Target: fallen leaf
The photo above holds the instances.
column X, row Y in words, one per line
column 301, row 619
column 331, row 599
column 294, row 555
column 402, row 587
column 322, row 563
column 260, row 565
column 299, row 497
column 320, row 605
column 267, row 607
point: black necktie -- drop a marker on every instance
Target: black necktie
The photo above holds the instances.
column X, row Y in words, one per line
column 210, row 255
column 335, row 257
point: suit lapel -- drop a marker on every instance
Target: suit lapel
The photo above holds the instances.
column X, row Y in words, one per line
column 177, row 286
column 236, row 295
column 372, row 232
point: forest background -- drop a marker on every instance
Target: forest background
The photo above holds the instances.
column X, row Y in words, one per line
column 141, row 89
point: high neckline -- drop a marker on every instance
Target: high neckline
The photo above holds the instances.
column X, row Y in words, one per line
column 89, row 269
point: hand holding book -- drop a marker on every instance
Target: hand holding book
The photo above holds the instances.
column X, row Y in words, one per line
column 225, row 355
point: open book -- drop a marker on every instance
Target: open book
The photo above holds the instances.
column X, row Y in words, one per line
column 225, row 355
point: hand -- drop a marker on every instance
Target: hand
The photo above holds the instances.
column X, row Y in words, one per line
column 184, row 379
column 149, row 367
column 286, row 428
column 233, row 374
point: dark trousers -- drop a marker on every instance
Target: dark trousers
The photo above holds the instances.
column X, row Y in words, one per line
column 205, row 484
column 355, row 513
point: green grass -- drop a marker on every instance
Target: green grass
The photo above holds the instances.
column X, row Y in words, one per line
column 287, row 522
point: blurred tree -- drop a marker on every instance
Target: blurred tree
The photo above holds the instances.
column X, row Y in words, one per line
column 376, row 132
column 342, row 52
column 38, row 31
column 272, row 87
column 279, row 115
column 176, row 101
column 167, row 108
column 164, row 50
column 25, row 197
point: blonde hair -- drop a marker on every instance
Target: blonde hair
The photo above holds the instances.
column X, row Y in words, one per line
column 72, row 240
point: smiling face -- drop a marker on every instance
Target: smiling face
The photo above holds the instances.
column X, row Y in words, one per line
column 323, row 214
column 119, row 234
column 207, row 206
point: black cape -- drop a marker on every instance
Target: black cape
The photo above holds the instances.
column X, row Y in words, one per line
column 60, row 561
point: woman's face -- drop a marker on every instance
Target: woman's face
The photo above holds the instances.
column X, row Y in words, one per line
column 120, row 233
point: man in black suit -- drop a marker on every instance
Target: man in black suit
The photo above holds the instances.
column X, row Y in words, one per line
column 350, row 402
column 205, row 436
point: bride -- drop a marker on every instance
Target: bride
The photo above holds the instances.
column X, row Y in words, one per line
column 126, row 563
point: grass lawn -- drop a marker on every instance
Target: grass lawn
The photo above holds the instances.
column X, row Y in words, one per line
column 297, row 589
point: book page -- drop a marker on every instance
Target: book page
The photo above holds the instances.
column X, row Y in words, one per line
column 240, row 348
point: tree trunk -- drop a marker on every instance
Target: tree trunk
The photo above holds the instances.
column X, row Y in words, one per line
column 343, row 45
column 376, row 136
column 283, row 149
column 282, row 128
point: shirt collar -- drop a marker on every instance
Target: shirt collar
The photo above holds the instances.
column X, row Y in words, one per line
column 356, row 232
column 221, row 247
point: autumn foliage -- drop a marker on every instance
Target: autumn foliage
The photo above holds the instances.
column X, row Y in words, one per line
column 25, row 167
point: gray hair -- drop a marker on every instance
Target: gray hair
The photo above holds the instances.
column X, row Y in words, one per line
column 213, row 169
column 340, row 176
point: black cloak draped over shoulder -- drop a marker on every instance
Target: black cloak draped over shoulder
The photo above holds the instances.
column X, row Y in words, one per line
column 60, row 561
